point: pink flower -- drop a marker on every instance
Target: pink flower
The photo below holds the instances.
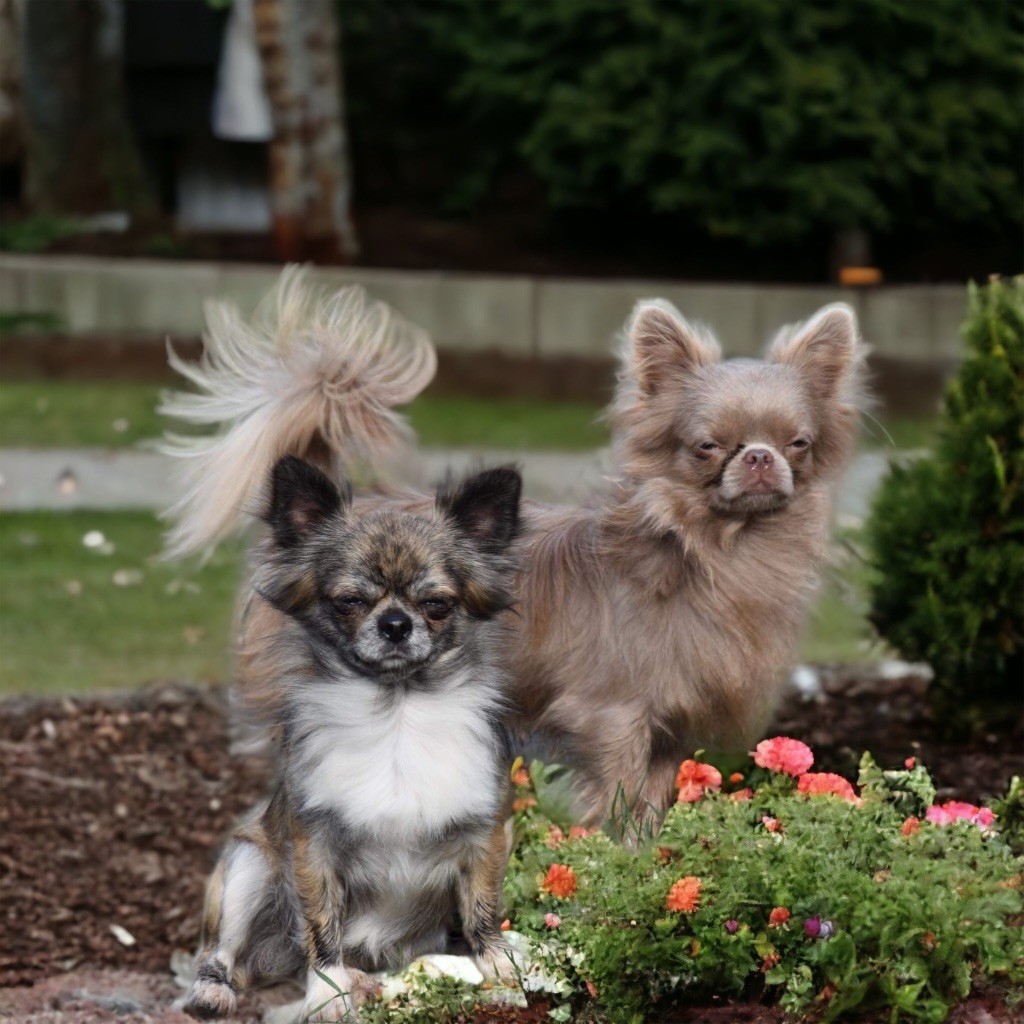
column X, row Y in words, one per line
column 910, row 763
column 783, row 754
column 826, row 783
column 554, row 838
column 957, row 810
column 694, row 778
column 552, row 921
column 742, row 794
column 732, row 926
column 579, row 832
column 772, row 824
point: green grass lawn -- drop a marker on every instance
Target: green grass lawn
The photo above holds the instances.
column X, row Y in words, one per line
column 75, row 618
column 118, row 414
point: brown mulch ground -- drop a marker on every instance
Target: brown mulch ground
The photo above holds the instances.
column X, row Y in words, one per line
column 113, row 809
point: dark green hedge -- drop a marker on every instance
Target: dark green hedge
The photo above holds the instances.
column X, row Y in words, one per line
column 751, row 119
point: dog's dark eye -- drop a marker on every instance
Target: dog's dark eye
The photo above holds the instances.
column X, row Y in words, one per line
column 436, row 608
column 800, row 442
column 348, row 604
column 709, row 446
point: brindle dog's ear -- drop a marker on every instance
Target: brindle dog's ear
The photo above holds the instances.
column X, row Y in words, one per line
column 301, row 499
column 485, row 507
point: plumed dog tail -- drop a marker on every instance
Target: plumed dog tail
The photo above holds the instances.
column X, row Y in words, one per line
column 313, row 374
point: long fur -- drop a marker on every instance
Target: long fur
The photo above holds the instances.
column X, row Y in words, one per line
column 660, row 617
column 314, row 375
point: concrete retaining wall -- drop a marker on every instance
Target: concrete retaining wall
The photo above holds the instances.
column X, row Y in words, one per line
column 520, row 316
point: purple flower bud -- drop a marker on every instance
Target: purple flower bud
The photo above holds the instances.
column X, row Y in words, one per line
column 827, row 930
column 732, row 926
column 812, row 927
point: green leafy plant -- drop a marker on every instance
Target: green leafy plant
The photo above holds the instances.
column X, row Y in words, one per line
column 947, row 532
column 34, row 234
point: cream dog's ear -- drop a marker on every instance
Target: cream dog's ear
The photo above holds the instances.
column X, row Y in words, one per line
column 663, row 342
column 824, row 349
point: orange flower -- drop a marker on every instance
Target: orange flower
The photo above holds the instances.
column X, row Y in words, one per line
column 591, row 989
column 782, row 754
column 521, row 803
column 772, row 824
column 825, row 783
column 910, row 826
column 555, row 837
column 506, row 925
column 770, row 961
column 694, row 778
column 778, row 917
column 520, row 777
column 742, row 794
column 736, row 778
column 579, row 832
column 684, row 896
column 560, row 881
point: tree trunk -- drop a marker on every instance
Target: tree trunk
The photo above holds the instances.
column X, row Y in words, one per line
column 12, row 114
column 309, row 171
column 82, row 157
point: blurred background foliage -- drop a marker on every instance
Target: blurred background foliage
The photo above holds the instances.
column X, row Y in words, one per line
column 764, row 123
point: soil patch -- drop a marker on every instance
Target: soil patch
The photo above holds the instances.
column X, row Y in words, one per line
column 114, row 807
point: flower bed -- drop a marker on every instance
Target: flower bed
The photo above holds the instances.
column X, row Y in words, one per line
column 780, row 884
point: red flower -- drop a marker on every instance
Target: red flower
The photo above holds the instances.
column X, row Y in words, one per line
column 736, row 778
column 778, row 917
column 694, row 778
column 910, row 763
column 684, row 896
column 825, row 783
column 560, row 881
column 783, row 754
column 910, row 826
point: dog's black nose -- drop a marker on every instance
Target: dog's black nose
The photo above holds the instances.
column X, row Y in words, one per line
column 758, row 458
column 395, row 625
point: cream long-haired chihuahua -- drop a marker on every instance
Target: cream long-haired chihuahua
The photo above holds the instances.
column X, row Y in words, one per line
column 657, row 619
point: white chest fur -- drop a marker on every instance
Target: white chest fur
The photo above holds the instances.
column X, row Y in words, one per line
column 396, row 763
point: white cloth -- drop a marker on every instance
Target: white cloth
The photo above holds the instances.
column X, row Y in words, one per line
column 241, row 110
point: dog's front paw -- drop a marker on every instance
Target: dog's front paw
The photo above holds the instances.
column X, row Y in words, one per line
column 209, row 999
column 497, row 962
column 335, row 994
